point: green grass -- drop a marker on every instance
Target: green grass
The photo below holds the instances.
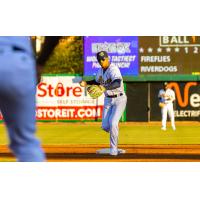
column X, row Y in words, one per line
column 69, row 133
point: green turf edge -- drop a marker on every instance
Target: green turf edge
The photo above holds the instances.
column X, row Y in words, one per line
column 61, row 74
column 154, row 78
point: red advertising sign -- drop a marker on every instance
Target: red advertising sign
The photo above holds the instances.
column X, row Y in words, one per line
column 62, row 98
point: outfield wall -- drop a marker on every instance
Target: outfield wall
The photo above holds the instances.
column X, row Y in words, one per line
column 143, row 101
column 60, row 98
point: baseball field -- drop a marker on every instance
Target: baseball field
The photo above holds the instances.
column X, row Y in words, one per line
column 142, row 141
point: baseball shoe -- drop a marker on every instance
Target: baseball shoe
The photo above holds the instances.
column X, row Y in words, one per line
column 174, row 128
column 113, row 152
column 121, row 151
column 163, row 128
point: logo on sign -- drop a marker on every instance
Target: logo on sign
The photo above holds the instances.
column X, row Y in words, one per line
column 194, row 99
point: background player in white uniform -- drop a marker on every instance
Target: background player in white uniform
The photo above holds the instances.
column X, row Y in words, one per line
column 167, row 96
column 115, row 100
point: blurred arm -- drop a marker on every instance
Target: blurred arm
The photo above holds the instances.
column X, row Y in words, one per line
column 48, row 46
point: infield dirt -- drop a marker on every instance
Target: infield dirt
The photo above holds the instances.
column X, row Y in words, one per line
column 135, row 153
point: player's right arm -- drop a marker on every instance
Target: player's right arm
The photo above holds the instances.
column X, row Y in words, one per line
column 161, row 96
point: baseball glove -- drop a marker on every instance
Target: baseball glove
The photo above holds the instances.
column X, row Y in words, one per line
column 95, row 91
column 161, row 104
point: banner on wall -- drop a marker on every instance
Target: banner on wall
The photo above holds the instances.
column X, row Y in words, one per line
column 122, row 51
column 62, row 98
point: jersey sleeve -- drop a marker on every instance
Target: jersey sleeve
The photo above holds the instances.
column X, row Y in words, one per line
column 160, row 93
column 115, row 74
column 98, row 75
column 114, row 84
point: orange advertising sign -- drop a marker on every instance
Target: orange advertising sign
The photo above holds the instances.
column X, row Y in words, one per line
column 184, row 101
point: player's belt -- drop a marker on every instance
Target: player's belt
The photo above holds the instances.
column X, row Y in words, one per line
column 116, row 95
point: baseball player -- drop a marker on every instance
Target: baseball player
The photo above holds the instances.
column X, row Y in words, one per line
column 166, row 98
column 110, row 78
column 17, row 96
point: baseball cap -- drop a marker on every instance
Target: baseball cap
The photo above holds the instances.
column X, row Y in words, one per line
column 165, row 83
column 102, row 55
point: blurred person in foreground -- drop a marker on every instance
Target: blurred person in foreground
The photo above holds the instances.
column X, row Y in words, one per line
column 18, row 82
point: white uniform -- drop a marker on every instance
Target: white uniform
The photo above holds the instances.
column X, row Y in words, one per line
column 114, row 104
column 167, row 97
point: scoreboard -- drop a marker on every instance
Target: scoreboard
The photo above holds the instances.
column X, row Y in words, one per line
column 144, row 58
column 169, row 55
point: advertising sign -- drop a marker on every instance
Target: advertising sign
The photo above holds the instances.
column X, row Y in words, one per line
column 61, row 98
column 187, row 100
column 169, row 55
column 122, row 50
